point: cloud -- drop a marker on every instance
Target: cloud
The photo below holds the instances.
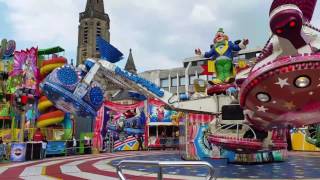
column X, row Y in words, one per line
column 202, row 14
column 161, row 33
column 44, row 21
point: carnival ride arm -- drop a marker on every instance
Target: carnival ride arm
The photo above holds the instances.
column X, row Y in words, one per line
column 110, row 72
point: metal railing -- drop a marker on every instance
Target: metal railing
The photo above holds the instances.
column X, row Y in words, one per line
column 225, row 127
column 161, row 164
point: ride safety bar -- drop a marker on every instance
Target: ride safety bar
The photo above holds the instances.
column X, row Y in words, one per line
column 162, row 164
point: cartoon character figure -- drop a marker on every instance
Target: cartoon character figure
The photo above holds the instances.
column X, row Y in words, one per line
column 222, row 51
column 160, row 112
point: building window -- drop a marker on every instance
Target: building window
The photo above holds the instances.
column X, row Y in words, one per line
column 200, row 63
column 242, row 56
column 185, row 65
column 204, row 77
column 164, row 83
column 182, row 81
column 174, row 82
column 192, row 78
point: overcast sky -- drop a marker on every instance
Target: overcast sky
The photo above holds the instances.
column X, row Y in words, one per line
column 161, row 32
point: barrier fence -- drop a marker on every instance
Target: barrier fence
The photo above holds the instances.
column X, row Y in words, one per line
column 59, row 148
column 52, row 134
column 162, row 164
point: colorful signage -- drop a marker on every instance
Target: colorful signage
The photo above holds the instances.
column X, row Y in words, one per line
column 158, row 113
column 7, row 48
column 18, row 152
column 56, row 147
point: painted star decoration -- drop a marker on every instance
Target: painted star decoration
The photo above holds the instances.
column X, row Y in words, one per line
column 282, row 82
column 262, row 109
column 289, row 105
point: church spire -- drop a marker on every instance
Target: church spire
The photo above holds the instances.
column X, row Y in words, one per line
column 94, row 9
column 95, row 5
column 130, row 66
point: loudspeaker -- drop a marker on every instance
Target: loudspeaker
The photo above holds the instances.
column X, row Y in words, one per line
column 232, row 112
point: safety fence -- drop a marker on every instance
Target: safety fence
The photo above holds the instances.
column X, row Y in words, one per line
column 32, row 150
column 163, row 164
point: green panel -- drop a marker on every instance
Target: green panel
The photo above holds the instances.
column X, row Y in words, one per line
column 48, row 51
column 82, row 135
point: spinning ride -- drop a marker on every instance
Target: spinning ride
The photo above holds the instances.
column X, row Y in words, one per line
column 276, row 93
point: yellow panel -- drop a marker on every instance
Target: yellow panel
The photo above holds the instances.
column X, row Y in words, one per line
column 211, row 67
column 300, row 144
column 297, row 141
column 309, row 147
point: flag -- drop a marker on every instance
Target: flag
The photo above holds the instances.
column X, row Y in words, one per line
column 208, row 69
column 107, row 51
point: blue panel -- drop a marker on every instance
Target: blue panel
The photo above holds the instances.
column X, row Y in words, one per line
column 108, row 52
column 56, row 147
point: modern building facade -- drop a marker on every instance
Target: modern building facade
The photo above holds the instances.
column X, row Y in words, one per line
column 94, row 22
column 180, row 80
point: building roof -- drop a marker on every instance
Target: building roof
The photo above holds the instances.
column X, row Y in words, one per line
column 195, row 58
column 130, row 66
column 127, row 95
column 244, row 51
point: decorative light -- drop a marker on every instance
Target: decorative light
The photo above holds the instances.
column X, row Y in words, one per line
column 279, row 31
column 263, row 97
column 302, row 82
column 292, row 24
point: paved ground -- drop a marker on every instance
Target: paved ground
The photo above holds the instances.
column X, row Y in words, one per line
column 299, row 166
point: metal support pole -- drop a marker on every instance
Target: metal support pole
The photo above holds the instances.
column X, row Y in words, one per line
column 23, row 119
column 186, row 75
column 237, row 131
column 160, row 176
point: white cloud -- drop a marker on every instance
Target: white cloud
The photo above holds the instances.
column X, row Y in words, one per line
column 161, row 33
column 45, row 21
column 202, row 14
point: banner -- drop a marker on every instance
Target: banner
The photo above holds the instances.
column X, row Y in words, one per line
column 18, row 152
column 158, row 113
column 56, row 147
column 122, row 108
column 97, row 138
column 197, row 145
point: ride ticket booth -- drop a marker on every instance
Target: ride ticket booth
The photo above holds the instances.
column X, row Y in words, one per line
column 162, row 128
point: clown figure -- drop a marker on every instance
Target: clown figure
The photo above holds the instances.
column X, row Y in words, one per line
column 222, row 51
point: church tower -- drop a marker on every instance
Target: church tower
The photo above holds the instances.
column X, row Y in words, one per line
column 93, row 22
column 130, row 66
